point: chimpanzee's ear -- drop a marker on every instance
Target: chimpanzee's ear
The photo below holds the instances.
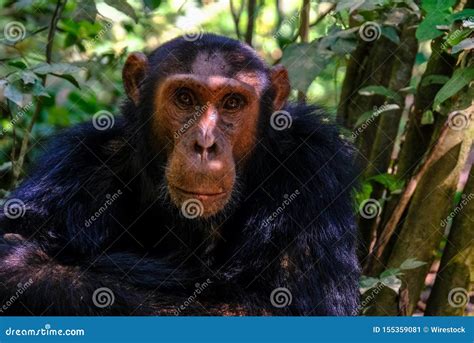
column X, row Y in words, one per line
column 133, row 73
column 281, row 85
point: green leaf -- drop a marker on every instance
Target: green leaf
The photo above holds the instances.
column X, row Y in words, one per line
column 464, row 14
column 381, row 90
column 29, row 77
column 427, row 118
column 152, row 4
column 434, row 79
column 461, row 78
column 411, row 263
column 389, row 181
column 304, row 62
column 391, row 33
column 85, row 11
column 14, row 94
column 69, row 78
column 364, row 193
column 17, row 64
column 437, row 5
column 351, row 5
column 427, row 29
column 39, row 90
column 124, row 7
column 393, row 283
column 367, row 282
column 467, row 44
column 390, row 272
column 55, row 68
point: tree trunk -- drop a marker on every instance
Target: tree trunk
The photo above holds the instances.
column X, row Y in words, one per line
column 455, row 277
column 422, row 231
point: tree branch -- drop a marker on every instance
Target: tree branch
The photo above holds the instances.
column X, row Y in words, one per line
column 406, row 197
column 18, row 164
column 251, row 21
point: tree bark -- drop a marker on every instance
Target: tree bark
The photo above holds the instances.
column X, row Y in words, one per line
column 422, row 231
column 455, row 277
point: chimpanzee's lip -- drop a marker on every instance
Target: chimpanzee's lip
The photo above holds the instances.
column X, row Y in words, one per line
column 199, row 194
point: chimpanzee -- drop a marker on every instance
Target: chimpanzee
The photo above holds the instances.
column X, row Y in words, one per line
column 209, row 195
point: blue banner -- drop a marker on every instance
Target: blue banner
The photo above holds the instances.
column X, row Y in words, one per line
column 232, row 329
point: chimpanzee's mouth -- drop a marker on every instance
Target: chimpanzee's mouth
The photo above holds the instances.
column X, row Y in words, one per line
column 199, row 194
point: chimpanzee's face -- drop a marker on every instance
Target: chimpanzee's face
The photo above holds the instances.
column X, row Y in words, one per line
column 207, row 121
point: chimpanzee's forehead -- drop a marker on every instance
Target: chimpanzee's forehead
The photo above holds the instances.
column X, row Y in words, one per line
column 210, row 55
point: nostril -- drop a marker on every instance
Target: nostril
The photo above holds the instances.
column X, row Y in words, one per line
column 212, row 149
column 198, row 149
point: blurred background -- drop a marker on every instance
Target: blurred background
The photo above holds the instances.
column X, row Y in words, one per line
column 395, row 75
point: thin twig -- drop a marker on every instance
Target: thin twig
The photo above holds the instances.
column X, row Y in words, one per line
column 18, row 164
column 316, row 22
column 304, row 35
column 251, row 21
column 236, row 14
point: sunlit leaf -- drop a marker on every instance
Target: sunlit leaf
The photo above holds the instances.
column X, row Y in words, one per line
column 304, row 62
column 461, row 78
column 381, row 90
column 14, row 94
column 124, row 7
column 411, row 263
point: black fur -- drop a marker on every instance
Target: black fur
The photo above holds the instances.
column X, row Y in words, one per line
column 154, row 259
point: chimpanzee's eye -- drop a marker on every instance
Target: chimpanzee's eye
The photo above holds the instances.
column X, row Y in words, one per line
column 184, row 98
column 233, row 102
